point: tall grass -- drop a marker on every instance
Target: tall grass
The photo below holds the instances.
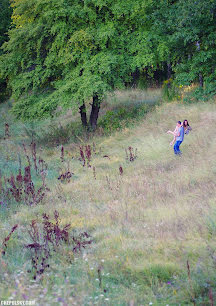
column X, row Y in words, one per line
column 147, row 222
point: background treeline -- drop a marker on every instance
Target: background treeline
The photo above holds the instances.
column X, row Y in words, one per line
column 5, row 21
column 64, row 53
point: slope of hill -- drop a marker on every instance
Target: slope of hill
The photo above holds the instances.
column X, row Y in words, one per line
column 152, row 219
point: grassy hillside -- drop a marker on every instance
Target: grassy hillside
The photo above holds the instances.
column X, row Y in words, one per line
column 153, row 226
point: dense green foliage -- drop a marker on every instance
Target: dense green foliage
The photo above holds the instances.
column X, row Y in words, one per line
column 5, row 21
column 62, row 54
column 5, row 16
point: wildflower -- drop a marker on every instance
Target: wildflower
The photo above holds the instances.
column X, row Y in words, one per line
column 102, row 260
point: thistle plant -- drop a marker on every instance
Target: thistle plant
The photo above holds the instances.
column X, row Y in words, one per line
column 131, row 154
column 85, row 155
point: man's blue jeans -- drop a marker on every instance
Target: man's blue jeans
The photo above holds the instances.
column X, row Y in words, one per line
column 176, row 147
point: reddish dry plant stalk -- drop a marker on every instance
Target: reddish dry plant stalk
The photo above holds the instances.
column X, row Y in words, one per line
column 88, row 155
column 52, row 232
column 7, row 133
column 50, row 239
column 82, row 156
column 5, row 241
column 62, row 154
column 131, row 154
column 94, row 172
column 85, row 154
column 39, row 164
column 45, row 242
column 100, row 276
column 120, row 170
column 26, row 154
column 29, row 188
column 16, row 191
column 39, row 253
column 22, row 188
column 80, row 241
column 211, row 300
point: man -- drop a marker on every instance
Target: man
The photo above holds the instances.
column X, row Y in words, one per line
column 179, row 138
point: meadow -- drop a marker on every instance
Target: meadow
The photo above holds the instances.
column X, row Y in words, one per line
column 149, row 216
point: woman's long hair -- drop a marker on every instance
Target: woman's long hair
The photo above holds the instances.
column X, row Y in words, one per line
column 184, row 125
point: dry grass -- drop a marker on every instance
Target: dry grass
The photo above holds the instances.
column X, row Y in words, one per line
column 147, row 222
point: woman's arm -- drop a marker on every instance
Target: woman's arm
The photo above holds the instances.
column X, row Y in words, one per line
column 188, row 130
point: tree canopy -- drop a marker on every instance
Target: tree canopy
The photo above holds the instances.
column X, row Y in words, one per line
column 5, row 21
column 63, row 53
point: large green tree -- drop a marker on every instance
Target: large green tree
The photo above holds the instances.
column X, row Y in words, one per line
column 5, row 21
column 186, row 31
column 64, row 53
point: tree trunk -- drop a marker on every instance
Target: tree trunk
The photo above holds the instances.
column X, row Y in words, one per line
column 94, row 112
column 83, row 115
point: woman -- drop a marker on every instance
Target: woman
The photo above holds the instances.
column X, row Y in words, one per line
column 186, row 126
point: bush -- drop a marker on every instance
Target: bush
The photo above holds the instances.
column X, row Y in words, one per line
column 202, row 93
column 123, row 116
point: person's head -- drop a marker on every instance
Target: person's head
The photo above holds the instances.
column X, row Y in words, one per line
column 185, row 123
column 178, row 123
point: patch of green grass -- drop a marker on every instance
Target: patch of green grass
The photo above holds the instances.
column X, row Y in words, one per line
column 145, row 224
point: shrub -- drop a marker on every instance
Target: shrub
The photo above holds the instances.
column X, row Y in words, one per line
column 20, row 186
column 124, row 116
column 201, row 93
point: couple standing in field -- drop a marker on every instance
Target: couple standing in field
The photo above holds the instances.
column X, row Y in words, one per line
column 181, row 129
